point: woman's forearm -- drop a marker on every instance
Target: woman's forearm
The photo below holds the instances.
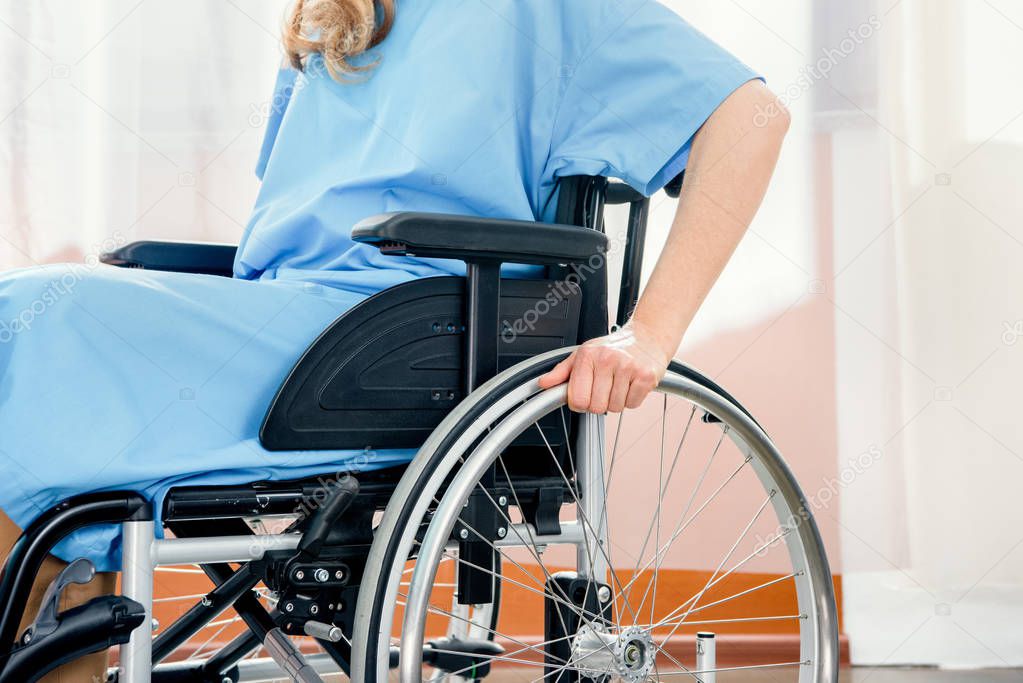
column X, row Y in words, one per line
column 729, row 168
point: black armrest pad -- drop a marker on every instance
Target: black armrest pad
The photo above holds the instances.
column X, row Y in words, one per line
column 178, row 257
column 472, row 238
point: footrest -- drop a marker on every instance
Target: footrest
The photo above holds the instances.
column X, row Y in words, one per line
column 100, row 623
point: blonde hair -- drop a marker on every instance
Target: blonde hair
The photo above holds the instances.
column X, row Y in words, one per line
column 338, row 30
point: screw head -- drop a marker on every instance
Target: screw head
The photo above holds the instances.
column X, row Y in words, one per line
column 289, row 607
column 502, row 501
column 603, row 593
column 321, row 575
column 300, row 575
column 314, row 609
column 339, row 574
column 502, row 532
column 463, row 534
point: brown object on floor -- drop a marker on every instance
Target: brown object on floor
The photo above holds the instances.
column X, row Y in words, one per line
column 90, row 668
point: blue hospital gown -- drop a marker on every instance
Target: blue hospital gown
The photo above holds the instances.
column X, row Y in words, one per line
column 122, row 379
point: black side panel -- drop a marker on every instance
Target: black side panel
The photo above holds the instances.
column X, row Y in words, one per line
column 384, row 374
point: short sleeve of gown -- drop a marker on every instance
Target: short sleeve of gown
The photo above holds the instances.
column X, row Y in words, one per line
column 643, row 84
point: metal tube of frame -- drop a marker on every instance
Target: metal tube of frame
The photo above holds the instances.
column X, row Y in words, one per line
column 137, row 584
column 589, row 455
column 632, row 263
column 220, row 548
column 266, row 670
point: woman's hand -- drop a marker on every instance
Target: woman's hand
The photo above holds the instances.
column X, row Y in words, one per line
column 611, row 373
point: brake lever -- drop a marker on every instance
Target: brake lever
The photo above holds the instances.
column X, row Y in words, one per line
column 81, row 571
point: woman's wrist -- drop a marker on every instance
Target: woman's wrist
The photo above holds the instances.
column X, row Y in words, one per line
column 651, row 335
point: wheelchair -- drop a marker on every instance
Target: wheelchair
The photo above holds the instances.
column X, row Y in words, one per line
column 522, row 542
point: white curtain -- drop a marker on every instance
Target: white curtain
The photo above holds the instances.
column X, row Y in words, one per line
column 932, row 537
column 125, row 119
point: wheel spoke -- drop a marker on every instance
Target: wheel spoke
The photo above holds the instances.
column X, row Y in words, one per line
column 559, row 670
column 223, row 625
column 532, row 549
column 586, row 522
column 662, row 490
column 607, row 488
column 685, row 523
column 521, row 585
column 674, row 661
column 749, row 667
column 722, row 601
column 727, row 557
column 581, row 613
column 692, row 498
column 532, row 541
column 735, row 620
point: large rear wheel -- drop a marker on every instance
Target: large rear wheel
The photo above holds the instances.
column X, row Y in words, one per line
column 675, row 518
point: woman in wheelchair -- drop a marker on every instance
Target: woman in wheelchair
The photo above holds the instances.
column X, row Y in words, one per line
column 492, row 122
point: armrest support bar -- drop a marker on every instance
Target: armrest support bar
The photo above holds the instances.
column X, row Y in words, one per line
column 475, row 239
column 178, row 257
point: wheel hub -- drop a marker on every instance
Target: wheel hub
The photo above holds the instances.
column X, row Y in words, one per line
column 628, row 655
column 636, row 654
